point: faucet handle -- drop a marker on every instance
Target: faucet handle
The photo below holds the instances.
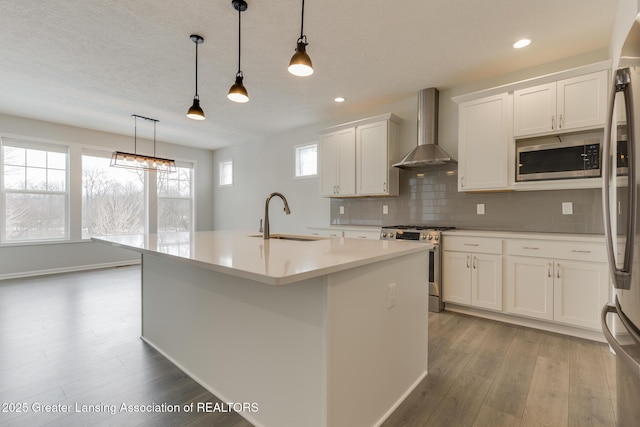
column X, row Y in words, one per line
column 261, row 230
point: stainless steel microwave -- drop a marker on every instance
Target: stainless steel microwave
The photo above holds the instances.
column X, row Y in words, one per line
column 559, row 160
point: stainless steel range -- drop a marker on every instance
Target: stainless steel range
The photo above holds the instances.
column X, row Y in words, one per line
column 424, row 234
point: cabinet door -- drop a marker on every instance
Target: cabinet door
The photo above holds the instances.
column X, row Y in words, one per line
column 347, row 162
column 580, row 291
column 530, row 287
column 534, row 110
column 582, row 101
column 329, row 164
column 486, row 283
column 483, row 144
column 456, row 277
column 372, row 162
column 337, row 163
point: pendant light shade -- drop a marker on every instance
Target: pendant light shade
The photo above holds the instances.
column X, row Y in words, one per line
column 195, row 111
column 238, row 93
column 134, row 160
column 300, row 64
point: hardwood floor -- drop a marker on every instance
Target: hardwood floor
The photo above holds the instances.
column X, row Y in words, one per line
column 74, row 339
column 487, row 373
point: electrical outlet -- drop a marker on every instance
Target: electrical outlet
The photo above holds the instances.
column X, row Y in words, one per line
column 341, row 210
column 391, row 295
column 567, row 208
column 385, row 209
column 480, row 208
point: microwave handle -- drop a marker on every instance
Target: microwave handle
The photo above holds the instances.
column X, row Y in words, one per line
column 621, row 277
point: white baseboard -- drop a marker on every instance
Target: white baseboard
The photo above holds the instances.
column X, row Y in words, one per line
column 588, row 334
column 70, row 269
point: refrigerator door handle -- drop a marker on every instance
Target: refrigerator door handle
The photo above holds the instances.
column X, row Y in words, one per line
column 621, row 277
column 625, row 357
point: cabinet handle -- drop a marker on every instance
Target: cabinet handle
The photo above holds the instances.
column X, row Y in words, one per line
column 558, row 271
column 384, row 187
column 553, row 122
column 472, row 244
column 560, row 122
column 475, row 262
column 534, row 248
column 549, row 267
column 362, row 237
column 577, row 251
column 462, row 182
column 467, row 261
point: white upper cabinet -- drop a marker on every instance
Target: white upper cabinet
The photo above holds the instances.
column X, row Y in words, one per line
column 357, row 158
column 483, row 143
column 569, row 104
column 337, row 163
column 376, row 147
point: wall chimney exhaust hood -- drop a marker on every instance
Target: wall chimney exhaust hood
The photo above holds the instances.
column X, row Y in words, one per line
column 427, row 153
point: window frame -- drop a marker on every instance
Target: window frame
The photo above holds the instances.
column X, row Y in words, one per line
column 297, row 160
column 32, row 144
column 221, row 164
column 192, row 202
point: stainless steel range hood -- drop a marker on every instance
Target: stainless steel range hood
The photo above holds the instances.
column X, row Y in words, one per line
column 427, row 153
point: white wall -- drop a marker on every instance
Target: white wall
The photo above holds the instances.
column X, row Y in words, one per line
column 29, row 259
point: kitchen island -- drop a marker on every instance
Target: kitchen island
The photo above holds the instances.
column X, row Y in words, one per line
column 327, row 332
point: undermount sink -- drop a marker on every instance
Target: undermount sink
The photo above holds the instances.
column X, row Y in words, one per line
column 295, row 237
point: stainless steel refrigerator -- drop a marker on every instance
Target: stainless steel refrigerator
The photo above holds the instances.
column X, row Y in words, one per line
column 621, row 158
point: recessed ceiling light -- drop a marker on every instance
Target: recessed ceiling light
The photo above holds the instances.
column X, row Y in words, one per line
column 339, row 99
column 521, row 43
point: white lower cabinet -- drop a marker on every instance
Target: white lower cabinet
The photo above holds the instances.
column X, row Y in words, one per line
column 530, row 287
column 569, row 290
column 580, row 292
column 473, row 278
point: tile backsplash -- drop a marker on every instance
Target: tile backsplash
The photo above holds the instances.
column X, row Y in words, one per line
column 433, row 199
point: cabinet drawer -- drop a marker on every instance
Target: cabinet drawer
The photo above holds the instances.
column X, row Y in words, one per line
column 578, row 251
column 485, row 245
column 357, row 234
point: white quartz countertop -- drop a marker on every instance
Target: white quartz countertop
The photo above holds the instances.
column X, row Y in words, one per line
column 274, row 262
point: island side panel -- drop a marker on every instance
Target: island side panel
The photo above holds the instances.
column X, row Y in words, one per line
column 244, row 341
column 376, row 354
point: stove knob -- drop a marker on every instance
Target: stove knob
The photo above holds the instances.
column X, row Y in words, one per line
column 423, row 236
column 383, row 234
column 436, row 237
column 391, row 234
column 430, row 237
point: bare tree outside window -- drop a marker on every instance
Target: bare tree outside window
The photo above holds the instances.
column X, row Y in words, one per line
column 112, row 198
column 175, row 200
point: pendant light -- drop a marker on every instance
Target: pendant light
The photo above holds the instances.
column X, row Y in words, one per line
column 195, row 112
column 134, row 160
column 238, row 93
column 300, row 64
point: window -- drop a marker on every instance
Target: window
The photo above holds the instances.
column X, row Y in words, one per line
column 175, row 199
column 113, row 199
column 306, row 160
column 226, row 173
column 34, row 191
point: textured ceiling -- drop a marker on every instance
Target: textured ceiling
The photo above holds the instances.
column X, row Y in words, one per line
column 93, row 63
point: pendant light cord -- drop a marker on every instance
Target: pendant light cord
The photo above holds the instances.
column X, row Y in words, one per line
column 302, row 22
column 239, row 36
column 197, row 97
